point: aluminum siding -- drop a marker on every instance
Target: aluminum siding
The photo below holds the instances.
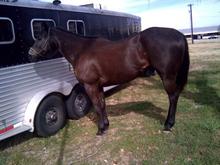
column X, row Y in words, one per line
column 18, row 85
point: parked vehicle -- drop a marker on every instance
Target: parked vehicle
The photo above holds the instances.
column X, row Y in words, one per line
column 212, row 37
column 39, row 96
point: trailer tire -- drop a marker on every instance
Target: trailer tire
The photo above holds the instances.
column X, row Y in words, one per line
column 50, row 116
column 78, row 103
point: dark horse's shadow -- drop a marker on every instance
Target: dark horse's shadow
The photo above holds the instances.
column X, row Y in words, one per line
column 143, row 107
column 205, row 94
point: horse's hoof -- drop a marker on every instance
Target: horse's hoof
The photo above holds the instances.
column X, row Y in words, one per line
column 106, row 127
column 168, row 126
column 100, row 132
column 167, row 131
column 100, row 135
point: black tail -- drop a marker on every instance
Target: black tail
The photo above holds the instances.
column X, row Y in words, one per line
column 182, row 75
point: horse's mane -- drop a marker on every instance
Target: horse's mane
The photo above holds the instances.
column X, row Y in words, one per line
column 92, row 37
column 76, row 35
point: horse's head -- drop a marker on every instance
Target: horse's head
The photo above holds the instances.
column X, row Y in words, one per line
column 45, row 45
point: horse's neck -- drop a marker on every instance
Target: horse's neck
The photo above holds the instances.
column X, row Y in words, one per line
column 71, row 47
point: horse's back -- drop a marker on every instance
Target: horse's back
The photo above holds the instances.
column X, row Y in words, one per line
column 162, row 38
column 162, row 32
column 164, row 46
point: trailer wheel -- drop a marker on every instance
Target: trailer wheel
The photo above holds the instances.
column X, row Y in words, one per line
column 78, row 103
column 50, row 116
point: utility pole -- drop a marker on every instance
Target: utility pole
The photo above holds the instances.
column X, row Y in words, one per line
column 191, row 21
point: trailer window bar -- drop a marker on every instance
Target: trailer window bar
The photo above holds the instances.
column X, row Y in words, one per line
column 76, row 27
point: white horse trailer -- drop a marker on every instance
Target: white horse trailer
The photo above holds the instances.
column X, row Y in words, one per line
column 39, row 96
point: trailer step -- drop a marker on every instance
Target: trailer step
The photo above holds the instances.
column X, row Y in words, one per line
column 14, row 131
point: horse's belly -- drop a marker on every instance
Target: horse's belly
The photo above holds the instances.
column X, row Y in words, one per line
column 118, row 77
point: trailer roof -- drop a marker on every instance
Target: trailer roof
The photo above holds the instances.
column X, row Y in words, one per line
column 63, row 7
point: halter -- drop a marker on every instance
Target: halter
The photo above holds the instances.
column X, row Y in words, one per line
column 38, row 53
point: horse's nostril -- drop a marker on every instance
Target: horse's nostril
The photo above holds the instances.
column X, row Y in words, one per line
column 32, row 52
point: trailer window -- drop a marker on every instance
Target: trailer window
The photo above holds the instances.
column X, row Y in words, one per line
column 136, row 27
column 72, row 27
column 76, row 27
column 38, row 26
column 7, row 35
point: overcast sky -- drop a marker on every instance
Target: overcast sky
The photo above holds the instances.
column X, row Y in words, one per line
column 167, row 13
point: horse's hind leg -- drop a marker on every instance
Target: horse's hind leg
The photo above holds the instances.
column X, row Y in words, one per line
column 97, row 97
column 173, row 92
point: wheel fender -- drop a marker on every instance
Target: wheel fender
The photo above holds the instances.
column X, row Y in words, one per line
column 34, row 103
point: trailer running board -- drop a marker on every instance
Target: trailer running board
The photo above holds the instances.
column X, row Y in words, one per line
column 11, row 131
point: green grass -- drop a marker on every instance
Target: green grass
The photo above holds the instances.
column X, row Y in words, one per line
column 137, row 114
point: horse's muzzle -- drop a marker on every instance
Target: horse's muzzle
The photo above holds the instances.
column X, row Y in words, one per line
column 32, row 52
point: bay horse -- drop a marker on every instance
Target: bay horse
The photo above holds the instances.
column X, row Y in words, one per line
column 99, row 62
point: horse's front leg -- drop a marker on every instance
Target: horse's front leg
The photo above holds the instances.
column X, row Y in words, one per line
column 97, row 97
